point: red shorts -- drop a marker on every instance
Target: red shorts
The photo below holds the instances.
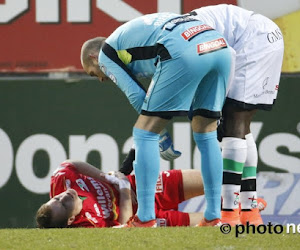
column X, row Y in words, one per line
column 169, row 193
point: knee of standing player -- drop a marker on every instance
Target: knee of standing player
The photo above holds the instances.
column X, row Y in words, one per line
column 236, row 121
column 202, row 124
column 235, row 126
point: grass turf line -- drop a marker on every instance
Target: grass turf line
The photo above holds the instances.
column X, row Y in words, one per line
column 142, row 238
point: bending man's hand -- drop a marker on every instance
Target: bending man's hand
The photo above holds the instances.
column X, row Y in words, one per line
column 166, row 147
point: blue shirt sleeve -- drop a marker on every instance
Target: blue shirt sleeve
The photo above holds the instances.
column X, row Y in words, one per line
column 117, row 71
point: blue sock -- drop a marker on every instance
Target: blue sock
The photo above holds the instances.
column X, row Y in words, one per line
column 146, row 167
column 212, row 172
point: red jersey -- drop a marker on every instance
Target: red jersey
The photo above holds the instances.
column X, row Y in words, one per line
column 100, row 200
column 168, row 194
column 100, row 206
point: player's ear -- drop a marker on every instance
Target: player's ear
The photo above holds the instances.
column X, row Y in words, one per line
column 93, row 57
column 70, row 220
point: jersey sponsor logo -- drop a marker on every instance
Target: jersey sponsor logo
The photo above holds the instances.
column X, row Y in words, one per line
column 193, row 31
column 182, row 19
column 97, row 210
column 171, row 24
column 90, row 217
column 211, row 46
column 104, row 198
column 82, row 185
column 159, row 184
column 274, row 36
column 265, row 82
column 265, row 91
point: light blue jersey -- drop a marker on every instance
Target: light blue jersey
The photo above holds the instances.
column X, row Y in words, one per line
column 188, row 61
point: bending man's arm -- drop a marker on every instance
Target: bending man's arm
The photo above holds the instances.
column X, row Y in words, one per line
column 116, row 70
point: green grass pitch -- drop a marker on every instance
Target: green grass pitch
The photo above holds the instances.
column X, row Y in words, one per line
column 143, row 238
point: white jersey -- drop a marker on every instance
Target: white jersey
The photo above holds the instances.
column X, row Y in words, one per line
column 230, row 20
column 258, row 43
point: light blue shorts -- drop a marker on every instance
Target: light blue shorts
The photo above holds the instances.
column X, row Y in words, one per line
column 196, row 74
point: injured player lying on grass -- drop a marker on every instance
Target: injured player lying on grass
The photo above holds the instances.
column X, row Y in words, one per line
column 83, row 196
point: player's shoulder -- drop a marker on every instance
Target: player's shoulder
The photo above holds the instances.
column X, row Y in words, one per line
column 149, row 21
column 63, row 169
column 222, row 10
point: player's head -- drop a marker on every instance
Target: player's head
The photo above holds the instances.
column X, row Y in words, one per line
column 60, row 211
column 89, row 57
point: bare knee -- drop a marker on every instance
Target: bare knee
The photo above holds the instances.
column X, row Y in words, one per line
column 151, row 123
column 192, row 183
column 236, row 121
column 202, row 124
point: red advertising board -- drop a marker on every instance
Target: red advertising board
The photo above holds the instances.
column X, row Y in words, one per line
column 46, row 35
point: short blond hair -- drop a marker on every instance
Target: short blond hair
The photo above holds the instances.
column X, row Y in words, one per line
column 91, row 47
column 44, row 218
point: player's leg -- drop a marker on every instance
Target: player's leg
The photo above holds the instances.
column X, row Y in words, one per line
column 236, row 124
column 167, row 96
column 207, row 108
column 254, row 87
column 249, row 199
column 205, row 136
column 146, row 165
column 195, row 218
column 192, row 183
column 193, row 187
column 172, row 91
column 211, row 164
column 236, row 120
column 173, row 218
column 174, row 187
